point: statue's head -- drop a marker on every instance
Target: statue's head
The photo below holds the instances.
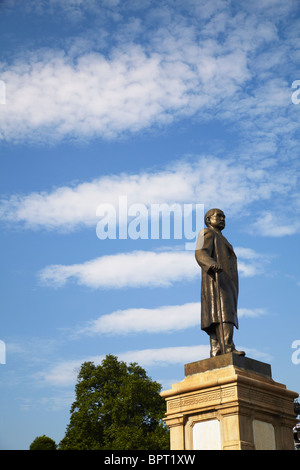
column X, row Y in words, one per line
column 215, row 218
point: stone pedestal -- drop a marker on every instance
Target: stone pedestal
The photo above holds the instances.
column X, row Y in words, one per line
column 230, row 402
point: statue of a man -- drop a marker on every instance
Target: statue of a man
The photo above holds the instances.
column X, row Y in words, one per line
column 219, row 287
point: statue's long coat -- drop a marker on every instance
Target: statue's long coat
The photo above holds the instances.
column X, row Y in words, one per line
column 212, row 247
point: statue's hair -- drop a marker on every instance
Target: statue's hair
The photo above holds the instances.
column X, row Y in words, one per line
column 209, row 214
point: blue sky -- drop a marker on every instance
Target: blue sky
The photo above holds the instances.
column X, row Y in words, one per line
column 161, row 102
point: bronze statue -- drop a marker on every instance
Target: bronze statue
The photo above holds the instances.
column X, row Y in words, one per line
column 219, row 287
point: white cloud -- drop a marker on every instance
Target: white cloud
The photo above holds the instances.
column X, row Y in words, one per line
column 251, row 313
column 258, row 355
column 164, row 356
column 65, row 373
column 134, row 269
column 176, row 70
column 69, row 207
column 250, row 262
column 203, row 60
column 246, row 253
column 61, row 400
column 248, row 270
column 270, row 225
column 62, row 374
column 174, row 355
column 93, row 95
column 165, row 318
column 204, row 180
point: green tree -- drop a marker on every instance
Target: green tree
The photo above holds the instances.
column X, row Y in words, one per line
column 117, row 407
column 43, row 443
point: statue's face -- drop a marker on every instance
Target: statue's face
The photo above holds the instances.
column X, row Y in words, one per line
column 217, row 220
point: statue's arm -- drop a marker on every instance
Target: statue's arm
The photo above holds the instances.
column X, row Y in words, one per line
column 204, row 250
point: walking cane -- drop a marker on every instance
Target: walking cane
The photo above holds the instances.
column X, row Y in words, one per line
column 219, row 306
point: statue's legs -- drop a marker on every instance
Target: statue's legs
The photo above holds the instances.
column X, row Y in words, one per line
column 215, row 340
column 214, row 345
column 228, row 337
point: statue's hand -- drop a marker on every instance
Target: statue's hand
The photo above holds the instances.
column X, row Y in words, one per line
column 216, row 268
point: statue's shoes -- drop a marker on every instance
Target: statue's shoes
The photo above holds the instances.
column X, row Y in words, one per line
column 240, row 353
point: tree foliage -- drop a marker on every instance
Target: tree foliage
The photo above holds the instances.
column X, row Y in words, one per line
column 117, row 407
column 43, row 443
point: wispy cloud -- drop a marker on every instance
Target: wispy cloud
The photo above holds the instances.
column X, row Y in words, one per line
column 162, row 319
column 251, row 312
column 95, row 96
column 136, row 269
column 165, row 318
column 61, row 400
column 250, row 262
column 270, row 225
column 150, row 76
column 64, row 373
column 207, row 180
